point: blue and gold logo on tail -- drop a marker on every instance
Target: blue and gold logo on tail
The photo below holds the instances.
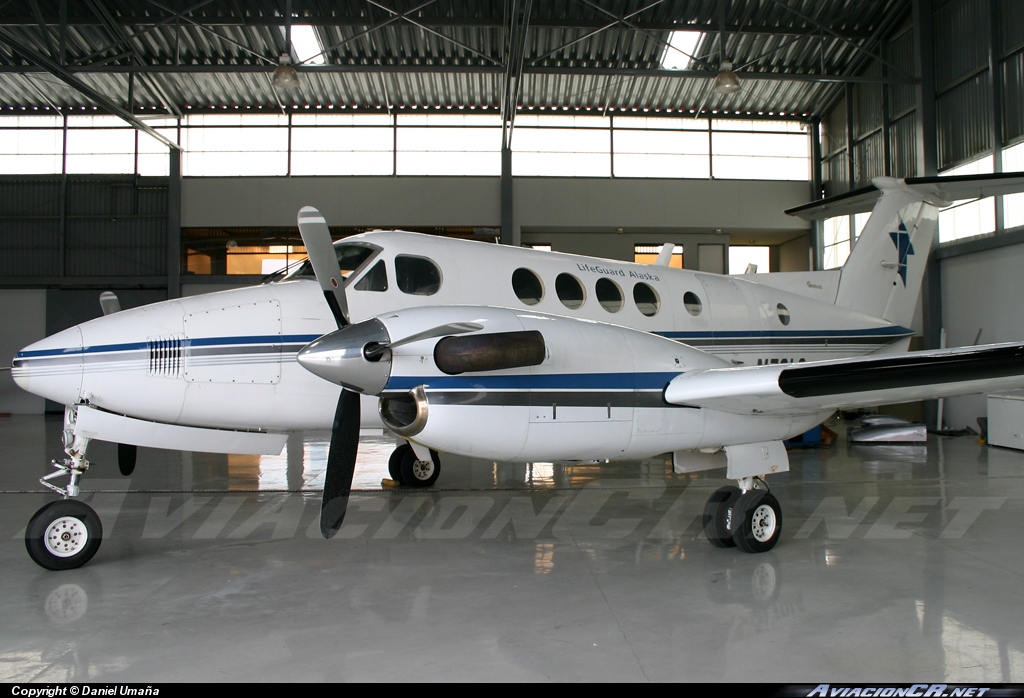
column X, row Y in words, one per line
column 904, row 248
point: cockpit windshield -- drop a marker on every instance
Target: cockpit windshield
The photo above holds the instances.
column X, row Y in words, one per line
column 351, row 257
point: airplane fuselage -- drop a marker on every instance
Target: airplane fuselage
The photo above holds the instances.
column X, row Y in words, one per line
column 227, row 359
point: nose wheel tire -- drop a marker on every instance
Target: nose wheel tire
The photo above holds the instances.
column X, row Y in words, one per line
column 63, row 535
column 759, row 521
column 407, row 469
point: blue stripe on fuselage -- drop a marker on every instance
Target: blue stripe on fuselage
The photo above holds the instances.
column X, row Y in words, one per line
column 893, row 331
column 195, row 342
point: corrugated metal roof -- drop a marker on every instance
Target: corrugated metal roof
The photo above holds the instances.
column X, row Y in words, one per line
column 792, row 56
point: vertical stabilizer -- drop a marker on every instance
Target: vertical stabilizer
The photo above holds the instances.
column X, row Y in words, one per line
column 883, row 275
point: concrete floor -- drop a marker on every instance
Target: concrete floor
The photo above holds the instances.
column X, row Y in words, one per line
column 896, row 564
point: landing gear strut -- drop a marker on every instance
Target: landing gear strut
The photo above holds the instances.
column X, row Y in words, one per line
column 406, row 468
column 748, row 517
column 65, row 534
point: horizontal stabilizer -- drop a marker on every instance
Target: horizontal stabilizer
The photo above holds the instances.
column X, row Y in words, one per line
column 938, row 190
column 847, row 383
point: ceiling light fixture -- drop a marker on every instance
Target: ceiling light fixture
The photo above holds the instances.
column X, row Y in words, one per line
column 726, row 82
column 285, row 75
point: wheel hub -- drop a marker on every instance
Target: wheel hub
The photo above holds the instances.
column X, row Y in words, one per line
column 423, row 469
column 65, row 536
column 763, row 523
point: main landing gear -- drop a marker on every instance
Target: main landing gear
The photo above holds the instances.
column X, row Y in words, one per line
column 409, row 470
column 65, row 534
column 748, row 517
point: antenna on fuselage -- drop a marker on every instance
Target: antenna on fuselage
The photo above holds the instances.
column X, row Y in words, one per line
column 665, row 256
column 109, row 303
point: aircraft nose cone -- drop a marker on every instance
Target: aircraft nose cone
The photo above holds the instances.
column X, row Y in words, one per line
column 52, row 367
column 341, row 357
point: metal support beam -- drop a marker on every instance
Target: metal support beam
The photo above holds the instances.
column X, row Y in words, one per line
column 174, row 225
column 101, row 100
column 858, row 46
column 927, row 163
column 515, row 49
column 148, row 21
column 508, row 232
column 405, row 16
column 996, row 102
column 603, row 71
column 817, row 260
column 924, row 54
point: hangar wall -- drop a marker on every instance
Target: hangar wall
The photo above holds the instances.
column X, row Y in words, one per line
column 23, row 313
column 563, row 204
column 966, row 109
column 981, row 292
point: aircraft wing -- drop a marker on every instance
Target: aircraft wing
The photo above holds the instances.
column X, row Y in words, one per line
column 847, row 383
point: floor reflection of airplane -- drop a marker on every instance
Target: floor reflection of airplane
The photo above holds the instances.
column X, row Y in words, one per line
column 513, row 354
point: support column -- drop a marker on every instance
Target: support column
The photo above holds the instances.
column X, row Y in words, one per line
column 816, row 261
column 174, row 224
column 996, row 103
column 927, row 166
column 509, row 234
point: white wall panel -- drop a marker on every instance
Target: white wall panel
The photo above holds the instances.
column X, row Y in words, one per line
column 981, row 292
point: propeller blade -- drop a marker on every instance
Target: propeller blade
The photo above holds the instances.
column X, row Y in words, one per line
column 316, row 236
column 439, row 331
column 126, row 457
column 341, row 463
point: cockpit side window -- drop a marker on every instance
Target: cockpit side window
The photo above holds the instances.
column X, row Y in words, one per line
column 417, row 276
column 374, row 280
column 351, row 256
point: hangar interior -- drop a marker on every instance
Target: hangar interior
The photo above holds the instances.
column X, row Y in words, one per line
column 163, row 149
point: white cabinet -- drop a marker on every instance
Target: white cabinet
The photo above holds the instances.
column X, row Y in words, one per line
column 1006, row 419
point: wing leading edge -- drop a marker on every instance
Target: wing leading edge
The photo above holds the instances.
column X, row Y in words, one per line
column 859, row 382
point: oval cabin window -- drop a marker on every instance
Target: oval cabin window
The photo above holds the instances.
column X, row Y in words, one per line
column 691, row 301
column 609, row 295
column 783, row 313
column 570, row 291
column 527, row 286
column 646, row 299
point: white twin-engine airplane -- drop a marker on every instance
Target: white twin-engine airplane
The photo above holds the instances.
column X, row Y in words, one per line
column 513, row 354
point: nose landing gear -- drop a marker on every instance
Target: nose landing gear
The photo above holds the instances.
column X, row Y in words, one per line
column 65, row 534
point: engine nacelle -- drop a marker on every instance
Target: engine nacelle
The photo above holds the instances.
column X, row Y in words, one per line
column 520, row 385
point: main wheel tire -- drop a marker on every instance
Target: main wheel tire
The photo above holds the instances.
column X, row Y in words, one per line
column 718, row 514
column 420, row 473
column 63, row 535
column 395, row 462
column 759, row 521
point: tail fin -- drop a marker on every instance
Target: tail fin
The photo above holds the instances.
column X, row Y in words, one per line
column 883, row 274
